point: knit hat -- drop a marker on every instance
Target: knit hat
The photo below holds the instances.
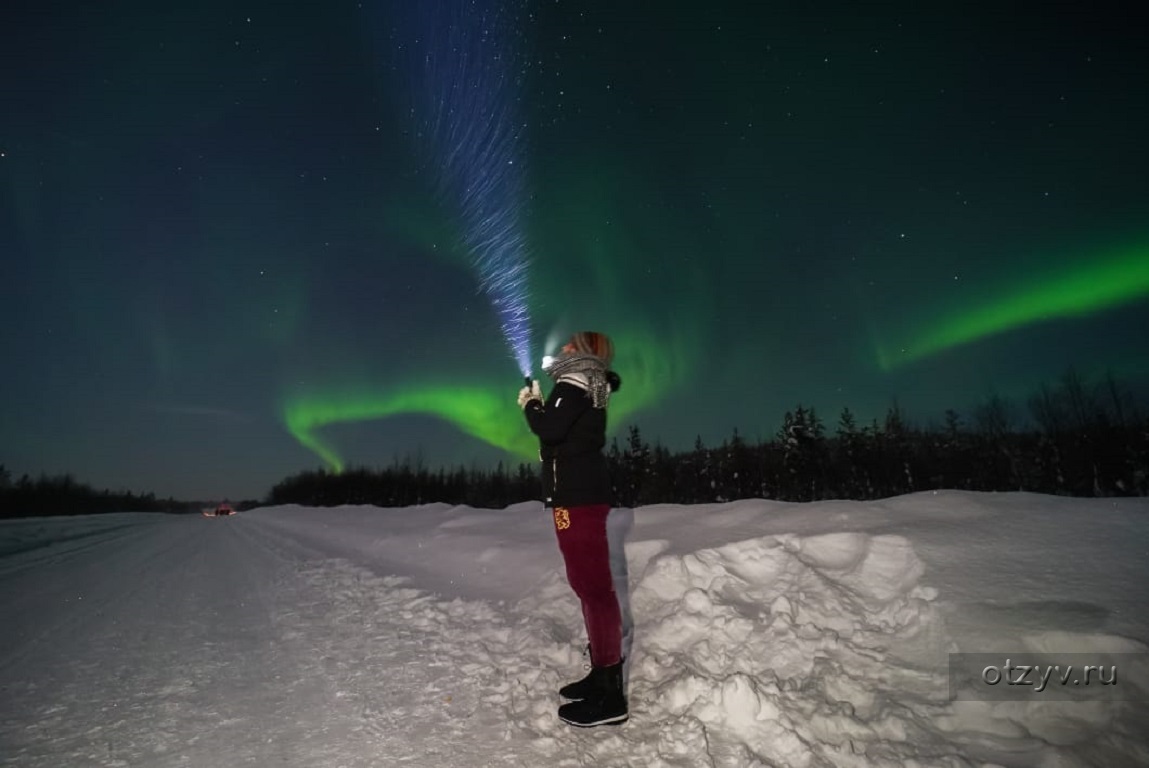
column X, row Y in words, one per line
column 594, row 343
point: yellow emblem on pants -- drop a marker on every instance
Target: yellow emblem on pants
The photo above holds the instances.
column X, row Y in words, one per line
column 562, row 518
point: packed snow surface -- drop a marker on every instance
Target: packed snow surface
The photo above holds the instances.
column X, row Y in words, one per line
column 765, row 634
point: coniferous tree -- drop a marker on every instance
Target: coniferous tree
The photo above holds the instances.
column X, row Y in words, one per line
column 638, row 462
column 706, row 480
column 852, row 477
column 997, row 461
column 803, row 451
column 1047, row 413
column 659, row 485
column 621, row 480
column 898, row 441
column 954, row 455
column 738, row 467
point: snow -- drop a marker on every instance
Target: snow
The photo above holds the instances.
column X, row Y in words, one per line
column 765, row 634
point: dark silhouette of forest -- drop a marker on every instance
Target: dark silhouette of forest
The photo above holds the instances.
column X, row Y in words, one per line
column 63, row 495
column 50, row 496
column 1071, row 439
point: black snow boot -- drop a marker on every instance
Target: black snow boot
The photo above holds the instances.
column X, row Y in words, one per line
column 605, row 702
column 580, row 689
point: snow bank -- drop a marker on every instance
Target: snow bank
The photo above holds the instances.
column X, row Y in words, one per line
column 783, row 650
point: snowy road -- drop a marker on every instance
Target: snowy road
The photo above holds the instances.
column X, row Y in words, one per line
column 767, row 634
column 184, row 641
column 160, row 632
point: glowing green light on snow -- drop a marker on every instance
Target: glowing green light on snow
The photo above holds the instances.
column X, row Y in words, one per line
column 1120, row 278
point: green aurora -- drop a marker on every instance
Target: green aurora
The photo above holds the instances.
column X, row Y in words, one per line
column 1119, row 277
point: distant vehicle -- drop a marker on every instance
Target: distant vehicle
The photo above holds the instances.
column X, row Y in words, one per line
column 223, row 510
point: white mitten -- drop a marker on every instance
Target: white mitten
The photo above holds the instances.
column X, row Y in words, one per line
column 527, row 394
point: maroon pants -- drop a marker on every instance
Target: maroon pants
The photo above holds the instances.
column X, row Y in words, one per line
column 582, row 540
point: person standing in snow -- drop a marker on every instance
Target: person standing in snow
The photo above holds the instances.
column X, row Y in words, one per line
column 571, row 427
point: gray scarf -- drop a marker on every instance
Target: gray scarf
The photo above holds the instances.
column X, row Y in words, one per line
column 593, row 368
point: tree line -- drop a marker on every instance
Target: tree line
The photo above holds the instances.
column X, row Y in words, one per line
column 48, row 496
column 56, row 495
column 401, row 485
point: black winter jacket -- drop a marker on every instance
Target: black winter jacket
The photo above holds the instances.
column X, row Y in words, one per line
column 572, row 433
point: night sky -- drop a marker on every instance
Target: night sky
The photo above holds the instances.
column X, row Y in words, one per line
column 244, row 239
